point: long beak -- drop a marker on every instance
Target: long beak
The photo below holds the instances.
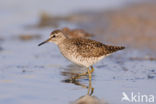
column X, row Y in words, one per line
column 44, row 42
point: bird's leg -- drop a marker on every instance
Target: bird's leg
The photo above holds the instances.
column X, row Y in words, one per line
column 92, row 69
column 89, row 74
column 83, row 74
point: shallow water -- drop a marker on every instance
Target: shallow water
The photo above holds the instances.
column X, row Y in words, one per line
column 32, row 74
column 35, row 75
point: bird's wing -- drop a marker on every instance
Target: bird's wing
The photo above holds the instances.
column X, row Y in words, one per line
column 92, row 48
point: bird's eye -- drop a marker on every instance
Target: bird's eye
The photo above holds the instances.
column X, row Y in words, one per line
column 53, row 36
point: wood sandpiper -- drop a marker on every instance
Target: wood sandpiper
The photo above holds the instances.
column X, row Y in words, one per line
column 76, row 33
column 81, row 51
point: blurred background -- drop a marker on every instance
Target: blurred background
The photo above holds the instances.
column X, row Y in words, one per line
column 30, row 74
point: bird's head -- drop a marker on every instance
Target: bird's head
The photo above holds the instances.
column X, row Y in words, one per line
column 56, row 37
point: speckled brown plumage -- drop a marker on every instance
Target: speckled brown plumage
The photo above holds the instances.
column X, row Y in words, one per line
column 91, row 48
column 84, row 52
column 81, row 51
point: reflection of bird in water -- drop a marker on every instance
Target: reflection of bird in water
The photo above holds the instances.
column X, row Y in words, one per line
column 76, row 33
column 88, row 98
column 73, row 70
column 81, row 51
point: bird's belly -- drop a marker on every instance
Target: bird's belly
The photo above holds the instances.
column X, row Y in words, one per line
column 82, row 61
column 72, row 55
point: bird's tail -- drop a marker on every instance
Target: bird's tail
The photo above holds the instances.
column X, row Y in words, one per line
column 112, row 49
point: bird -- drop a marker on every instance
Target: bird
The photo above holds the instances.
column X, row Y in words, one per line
column 81, row 51
column 76, row 33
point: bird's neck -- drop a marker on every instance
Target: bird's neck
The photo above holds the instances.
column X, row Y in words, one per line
column 62, row 41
